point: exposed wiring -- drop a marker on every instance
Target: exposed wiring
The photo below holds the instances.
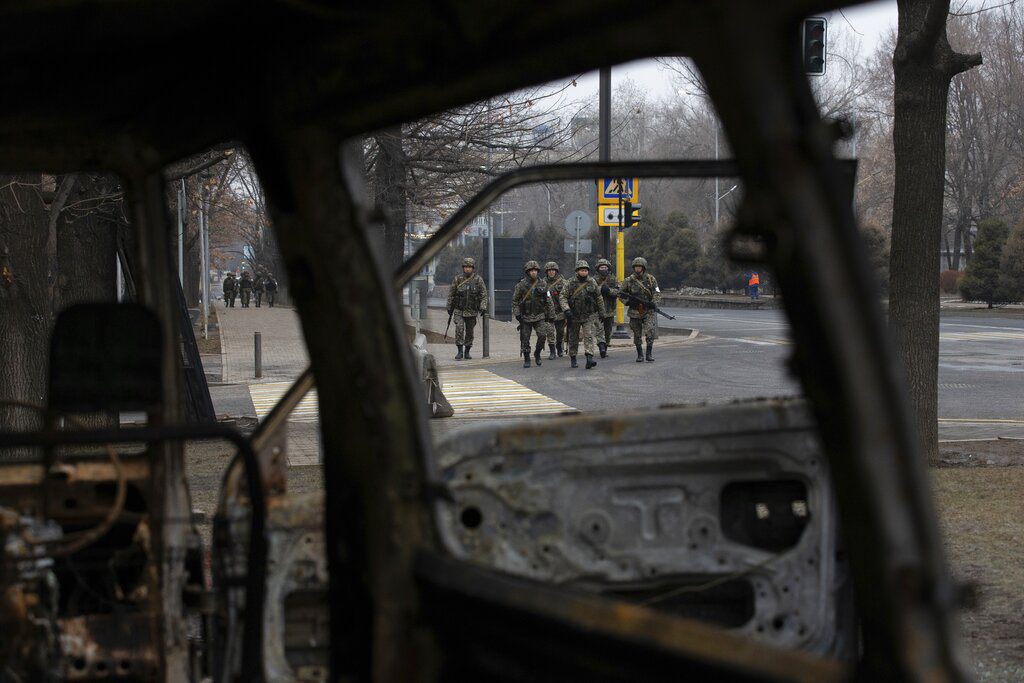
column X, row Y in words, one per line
column 713, row 583
column 81, row 539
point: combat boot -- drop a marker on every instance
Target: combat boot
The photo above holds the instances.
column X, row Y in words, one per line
column 639, row 353
column 603, row 348
column 526, row 359
column 536, row 352
column 551, row 351
column 650, row 352
column 559, row 349
column 459, row 355
column 590, row 361
column 572, row 362
column 468, row 347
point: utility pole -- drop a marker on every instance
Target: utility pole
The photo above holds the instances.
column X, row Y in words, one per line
column 604, row 151
column 181, row 232
column 204, row 229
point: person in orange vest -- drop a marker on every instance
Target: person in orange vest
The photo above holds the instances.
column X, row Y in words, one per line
column 753, row 284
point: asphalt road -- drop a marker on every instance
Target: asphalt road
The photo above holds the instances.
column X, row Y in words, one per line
column 742, row 354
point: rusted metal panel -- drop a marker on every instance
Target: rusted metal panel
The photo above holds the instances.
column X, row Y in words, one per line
column 111, row 646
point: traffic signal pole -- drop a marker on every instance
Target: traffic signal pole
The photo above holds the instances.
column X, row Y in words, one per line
column 604, row 149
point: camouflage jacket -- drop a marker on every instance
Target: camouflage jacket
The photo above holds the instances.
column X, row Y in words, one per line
column 258, row 285
column 245, row 283
column 467, row 296
column 557, row 287
column 584, row 298
column 532, row 300
column 609, row 301
column 229, row 285
column 643, row 286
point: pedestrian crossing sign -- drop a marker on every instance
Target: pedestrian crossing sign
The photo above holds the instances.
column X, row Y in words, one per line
column 611, row 190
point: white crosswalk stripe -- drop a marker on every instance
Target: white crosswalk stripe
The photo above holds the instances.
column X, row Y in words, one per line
column 481, row 393
column 266, row 395
column 981, row 336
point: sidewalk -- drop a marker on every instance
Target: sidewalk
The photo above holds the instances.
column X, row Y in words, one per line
column 241, row 394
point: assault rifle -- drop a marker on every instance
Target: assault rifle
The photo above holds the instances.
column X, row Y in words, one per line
column 450, row 314
column 632, row 299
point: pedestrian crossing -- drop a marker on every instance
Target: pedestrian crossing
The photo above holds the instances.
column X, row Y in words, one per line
column 472, row 393
column 265, row 396
column 481, row 393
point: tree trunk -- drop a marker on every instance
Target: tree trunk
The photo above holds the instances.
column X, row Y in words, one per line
column 391, row 171
column 923, row 65
column 25, row 318
column 86, row 250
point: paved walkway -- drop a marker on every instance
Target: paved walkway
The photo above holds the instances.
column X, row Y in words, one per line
column 284, row 359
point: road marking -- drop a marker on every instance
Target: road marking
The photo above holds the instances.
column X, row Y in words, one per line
column 981, row 336
column 481, row 393
column 265, row 396
column 980, row 420
column 986, row 327
column 759, row 341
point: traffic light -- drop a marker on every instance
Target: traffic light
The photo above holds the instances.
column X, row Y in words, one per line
column 814, row 45
column 631, row 216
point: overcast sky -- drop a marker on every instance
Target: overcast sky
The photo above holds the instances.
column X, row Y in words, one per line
column 869, row 21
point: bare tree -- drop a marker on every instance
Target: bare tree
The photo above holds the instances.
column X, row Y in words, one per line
column 923, row 65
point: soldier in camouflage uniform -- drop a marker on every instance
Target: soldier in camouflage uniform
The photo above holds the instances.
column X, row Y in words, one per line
column 641, row 284
column 245, row 288
column 532, row 306
column 467, row 299
column 229, row 290
column 583, row 307
column 609, row 285
column 556, row 284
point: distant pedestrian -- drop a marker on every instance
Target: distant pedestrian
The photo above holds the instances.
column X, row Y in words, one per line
column 229, row 290
column 467, row 299
column 271, row 284
column 533, row 308
column 752, row 284
column 245, row 288
column 258, row 287
column 583, row 307
column 556, row 284
column 609, row 291
column 636, row 289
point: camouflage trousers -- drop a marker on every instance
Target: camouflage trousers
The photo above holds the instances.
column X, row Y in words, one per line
column 464, row 330
column 589, row 330
column 608, row 324
column 544, row 331
column 559, row 332
column 643, row 327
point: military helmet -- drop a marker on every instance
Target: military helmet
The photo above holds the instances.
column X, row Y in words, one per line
column 550, row 265
column 640, row 261
column 469, row 261
column 582, row 264
column 603, row 262
column 531, row 265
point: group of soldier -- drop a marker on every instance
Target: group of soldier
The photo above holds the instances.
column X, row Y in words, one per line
column 247, row 288
column 562, row 311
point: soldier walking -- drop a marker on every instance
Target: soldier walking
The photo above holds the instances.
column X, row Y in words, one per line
column 532, row 307
column 271, row 285
column 258, row 287
column 467, row 299
column 583, row 307
column 641, row 285
column 609, row 285
column 556, row 284
column 229, row 290
column 245, row 288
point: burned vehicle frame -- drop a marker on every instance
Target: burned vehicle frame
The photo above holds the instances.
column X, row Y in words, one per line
column 393, row 589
